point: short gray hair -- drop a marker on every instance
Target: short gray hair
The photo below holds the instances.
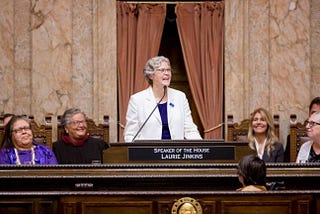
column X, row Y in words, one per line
column 68, row 114
column 151, row 66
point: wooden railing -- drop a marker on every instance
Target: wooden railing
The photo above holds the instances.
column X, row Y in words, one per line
column 154, row 188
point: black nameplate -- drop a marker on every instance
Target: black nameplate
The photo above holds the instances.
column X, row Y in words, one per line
column 160, row 153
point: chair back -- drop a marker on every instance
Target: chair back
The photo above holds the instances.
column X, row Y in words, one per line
column 2, row 128
column 42, row 134
column 298, row 136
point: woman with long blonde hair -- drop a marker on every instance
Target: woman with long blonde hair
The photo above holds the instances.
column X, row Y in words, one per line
column 262, row 138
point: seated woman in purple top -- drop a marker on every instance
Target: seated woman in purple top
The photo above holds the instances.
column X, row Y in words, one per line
column 19, row 148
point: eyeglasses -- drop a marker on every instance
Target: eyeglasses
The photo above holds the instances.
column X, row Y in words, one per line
column 162, row 70
column 311, row 123
column 78, row 122
column 21, row 130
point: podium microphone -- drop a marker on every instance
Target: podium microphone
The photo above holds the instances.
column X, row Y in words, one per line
column 164, row 93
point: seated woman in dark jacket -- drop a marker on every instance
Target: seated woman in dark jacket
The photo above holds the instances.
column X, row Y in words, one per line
column 262, row 138
column 76, row 146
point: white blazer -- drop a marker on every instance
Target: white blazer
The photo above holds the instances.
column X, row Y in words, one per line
column 180, row 121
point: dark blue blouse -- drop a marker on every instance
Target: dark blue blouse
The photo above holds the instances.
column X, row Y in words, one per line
column 164, row 118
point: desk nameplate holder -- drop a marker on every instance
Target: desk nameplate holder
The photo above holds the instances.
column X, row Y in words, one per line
column 175, row 152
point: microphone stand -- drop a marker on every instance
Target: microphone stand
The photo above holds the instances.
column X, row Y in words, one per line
column 164, row 93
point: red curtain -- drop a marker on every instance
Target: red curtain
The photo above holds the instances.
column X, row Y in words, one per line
column 201, row 28
column 139, row 28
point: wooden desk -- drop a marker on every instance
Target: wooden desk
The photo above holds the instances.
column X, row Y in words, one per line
column 119, row 152
column 153, row 188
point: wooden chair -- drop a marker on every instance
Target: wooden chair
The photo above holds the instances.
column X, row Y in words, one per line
column 98, row 131
column 41, row 134
column 2, row 128
column 297, row 137
column 239, row 132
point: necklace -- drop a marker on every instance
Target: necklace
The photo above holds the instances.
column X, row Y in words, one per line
column 18, row 162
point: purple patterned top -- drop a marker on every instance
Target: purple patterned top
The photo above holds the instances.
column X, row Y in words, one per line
column 42, row 155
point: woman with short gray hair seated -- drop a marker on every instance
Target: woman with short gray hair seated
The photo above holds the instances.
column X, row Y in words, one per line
column 76, row 146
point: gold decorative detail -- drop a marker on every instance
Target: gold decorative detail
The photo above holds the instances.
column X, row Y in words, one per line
column 186, row 205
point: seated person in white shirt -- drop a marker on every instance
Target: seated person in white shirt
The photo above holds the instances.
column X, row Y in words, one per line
column 310, row 150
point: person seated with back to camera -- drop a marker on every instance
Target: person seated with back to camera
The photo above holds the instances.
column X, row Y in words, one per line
column 252, row 173
column 18, row 146
column 172, row 119
column 262, row 138
column 76, row 146
column 310, row 150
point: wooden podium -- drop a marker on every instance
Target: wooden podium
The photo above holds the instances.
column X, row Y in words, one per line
column 184, row 151
column 158, row 178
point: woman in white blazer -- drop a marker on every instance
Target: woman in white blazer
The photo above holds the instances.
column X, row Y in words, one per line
column 172, row 117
